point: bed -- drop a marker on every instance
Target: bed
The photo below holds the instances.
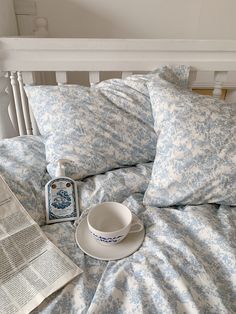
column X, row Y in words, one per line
column 175, row 167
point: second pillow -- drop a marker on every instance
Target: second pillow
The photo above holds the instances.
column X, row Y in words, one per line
column 195, row 159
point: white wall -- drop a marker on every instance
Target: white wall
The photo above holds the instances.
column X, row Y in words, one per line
column 8, row 25
column 209, row 19
column 194, row 19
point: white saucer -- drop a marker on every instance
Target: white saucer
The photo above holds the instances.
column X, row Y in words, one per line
column 91, row 247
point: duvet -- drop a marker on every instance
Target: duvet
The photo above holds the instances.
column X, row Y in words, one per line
column 186, row 264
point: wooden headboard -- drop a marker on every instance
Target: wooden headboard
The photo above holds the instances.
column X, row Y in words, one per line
column 33, row 60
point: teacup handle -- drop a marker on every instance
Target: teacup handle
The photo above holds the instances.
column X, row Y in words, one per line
column 136, row 227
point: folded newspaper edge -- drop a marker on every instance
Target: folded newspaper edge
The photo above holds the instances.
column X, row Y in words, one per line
column 25, row 253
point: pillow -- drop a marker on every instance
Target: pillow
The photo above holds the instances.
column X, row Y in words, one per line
column 106, row 126
column 195, row 159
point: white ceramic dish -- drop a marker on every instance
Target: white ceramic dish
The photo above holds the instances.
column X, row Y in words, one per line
column 91, row 247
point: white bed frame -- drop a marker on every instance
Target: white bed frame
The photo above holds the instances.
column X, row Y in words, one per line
column 20, row 58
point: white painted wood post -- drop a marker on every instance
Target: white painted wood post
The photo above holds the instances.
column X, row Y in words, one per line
column 125, row 74
column 231, row 96
column 28, row 79
column 220, row 78
column 18, row 105
column 12, row 107
column 6, row 128
column 192, row 78
column 61, row 78
column 94, row 77
column 25, row 106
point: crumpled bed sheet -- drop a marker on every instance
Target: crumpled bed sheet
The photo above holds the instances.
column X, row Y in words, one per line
column 186, row 264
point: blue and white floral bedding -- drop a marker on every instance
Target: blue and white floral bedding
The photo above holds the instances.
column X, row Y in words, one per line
column 186, row 264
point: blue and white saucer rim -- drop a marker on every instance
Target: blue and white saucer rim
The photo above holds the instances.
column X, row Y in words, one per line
column 93, row 248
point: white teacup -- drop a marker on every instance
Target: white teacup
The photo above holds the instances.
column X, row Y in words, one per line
column 110, row 223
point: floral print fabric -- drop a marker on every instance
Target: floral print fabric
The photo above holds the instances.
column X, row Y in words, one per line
column 104, row 127
column 23, row 166
column 195, row 159
column 186, row 263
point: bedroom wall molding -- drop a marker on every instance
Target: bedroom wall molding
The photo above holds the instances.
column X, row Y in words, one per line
column 26, row 11
column 29, row 23
column 25, row 7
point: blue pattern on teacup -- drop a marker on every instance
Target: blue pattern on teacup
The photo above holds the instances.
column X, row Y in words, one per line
column 107, row 239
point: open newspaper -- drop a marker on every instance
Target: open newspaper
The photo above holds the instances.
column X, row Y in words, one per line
column 31, row 267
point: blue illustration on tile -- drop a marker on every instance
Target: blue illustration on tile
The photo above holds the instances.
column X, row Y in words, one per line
column 62, row 200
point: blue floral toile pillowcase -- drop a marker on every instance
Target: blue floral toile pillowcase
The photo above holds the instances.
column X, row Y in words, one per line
column 106, row 126
column 196, row 150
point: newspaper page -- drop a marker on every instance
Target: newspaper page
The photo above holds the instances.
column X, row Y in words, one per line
column 31, row 267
